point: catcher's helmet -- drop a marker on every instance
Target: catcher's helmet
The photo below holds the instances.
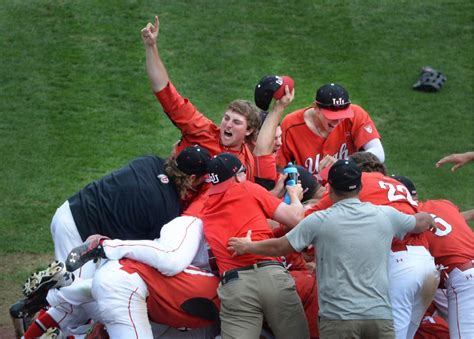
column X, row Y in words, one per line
column 430, row 80
column 271, row 86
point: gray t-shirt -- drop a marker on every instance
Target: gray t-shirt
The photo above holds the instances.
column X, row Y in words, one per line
column 352, row 241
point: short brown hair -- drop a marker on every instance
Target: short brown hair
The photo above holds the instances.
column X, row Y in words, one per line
column 251, row 113
column 368, row 162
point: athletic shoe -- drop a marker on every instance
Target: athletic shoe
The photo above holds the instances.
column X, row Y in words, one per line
column 52, row 333
column 91, row 249
column 27, row 307
column 54, row 276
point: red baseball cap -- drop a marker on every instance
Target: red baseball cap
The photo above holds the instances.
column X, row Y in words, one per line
column 333, row 101
column 269, row 87
column 287, row 81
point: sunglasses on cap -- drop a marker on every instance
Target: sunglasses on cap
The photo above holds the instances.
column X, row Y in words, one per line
column 333, row 108
column 242, row 169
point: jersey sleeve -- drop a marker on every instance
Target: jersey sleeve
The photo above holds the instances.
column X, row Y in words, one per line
column 363, row 128
column 401, row 223
column 265, row 167
column 194, row 126
column 265, row 199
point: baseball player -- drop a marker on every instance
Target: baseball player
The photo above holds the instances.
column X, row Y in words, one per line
column 452, row 247
column 239, row 124
column 125, row 294
column 133, row 202
column 412, row 271
column 331, row 126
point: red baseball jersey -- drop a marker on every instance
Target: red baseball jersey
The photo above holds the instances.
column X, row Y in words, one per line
column 167, row 294
column 265, row 167
column 379, row 189
column 197, row 129
column 453, row 242
column 301, row 146
column 432, row 326
column 240, row 208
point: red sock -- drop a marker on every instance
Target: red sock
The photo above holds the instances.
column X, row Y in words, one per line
column 40, row 325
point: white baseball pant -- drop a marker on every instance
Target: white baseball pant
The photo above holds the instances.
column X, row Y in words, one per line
column 66, row 236
column 413, row 281
column 460, row 291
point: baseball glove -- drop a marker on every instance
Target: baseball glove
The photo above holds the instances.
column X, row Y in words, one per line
column 430, row 80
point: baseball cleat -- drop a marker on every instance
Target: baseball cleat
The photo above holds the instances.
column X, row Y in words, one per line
column 54, row 276
column 91, row 249
column 52, row 333
column 27, row 307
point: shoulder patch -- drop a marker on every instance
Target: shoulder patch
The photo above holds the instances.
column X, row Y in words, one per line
column 368, row 129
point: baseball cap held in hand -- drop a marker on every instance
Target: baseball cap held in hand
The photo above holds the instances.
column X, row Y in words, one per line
column 345, row 175
column 271, row 86
column 333, row 101
column 193, row 160
column 223, row 167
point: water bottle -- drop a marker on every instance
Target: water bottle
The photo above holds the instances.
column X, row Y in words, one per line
column 291, row 180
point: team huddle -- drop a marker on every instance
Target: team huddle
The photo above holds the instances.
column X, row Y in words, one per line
column 215, row 241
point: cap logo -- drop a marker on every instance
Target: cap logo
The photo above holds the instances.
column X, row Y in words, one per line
column 368, row 129
column 338, row 102
column 279, row 80
column 214, row 178
column 163, row 178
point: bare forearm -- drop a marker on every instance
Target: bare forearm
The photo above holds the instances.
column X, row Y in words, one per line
column 270, row 247
column 266, row 136
column 423, row 222
column 297, row 209
column 156, row 69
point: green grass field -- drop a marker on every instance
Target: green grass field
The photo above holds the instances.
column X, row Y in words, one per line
column 76, row 103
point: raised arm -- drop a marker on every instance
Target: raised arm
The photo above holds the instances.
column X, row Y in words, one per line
column 155, row 68
column 266, row 136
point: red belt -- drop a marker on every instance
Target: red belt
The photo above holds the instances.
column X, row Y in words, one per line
column 402, row 247
column 462, row 267
column 398, row 248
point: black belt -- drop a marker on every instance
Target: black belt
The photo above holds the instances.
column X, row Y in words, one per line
column 234, row 273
